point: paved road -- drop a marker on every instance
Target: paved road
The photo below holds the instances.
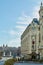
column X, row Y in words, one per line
column 27, row 64
column 1, row 62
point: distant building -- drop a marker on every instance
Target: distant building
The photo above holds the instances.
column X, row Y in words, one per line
column 32, row 38
column 9, row 51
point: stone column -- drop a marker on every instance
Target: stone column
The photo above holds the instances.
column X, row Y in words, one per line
column 3, row 53
column 40, row 56
column 37, row 43
column 10, row 53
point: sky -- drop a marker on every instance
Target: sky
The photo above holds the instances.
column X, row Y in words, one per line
column 15, row 16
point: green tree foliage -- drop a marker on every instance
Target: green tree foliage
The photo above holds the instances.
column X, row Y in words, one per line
column 10, row 62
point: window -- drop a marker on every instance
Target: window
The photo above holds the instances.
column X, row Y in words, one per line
column 42, row 16
column 33, row 28
column 42, row 37
column 39, row 28
column 32, row 46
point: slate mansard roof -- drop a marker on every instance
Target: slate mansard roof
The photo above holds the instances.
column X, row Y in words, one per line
column 35, row 20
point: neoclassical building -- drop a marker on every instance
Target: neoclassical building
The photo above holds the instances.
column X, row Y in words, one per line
column 32, row 38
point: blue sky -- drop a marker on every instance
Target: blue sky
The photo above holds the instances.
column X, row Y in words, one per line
column 15, row 15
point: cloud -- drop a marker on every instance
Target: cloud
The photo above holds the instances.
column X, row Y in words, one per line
column 10, row 32
column 14, row 42
column 20, row 27
column 35, row 12
column 24, row 18
column 23, row 21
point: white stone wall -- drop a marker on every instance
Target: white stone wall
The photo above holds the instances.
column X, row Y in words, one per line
column 26, row 42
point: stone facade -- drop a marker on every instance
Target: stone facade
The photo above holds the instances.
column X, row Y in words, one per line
column 32, row 37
